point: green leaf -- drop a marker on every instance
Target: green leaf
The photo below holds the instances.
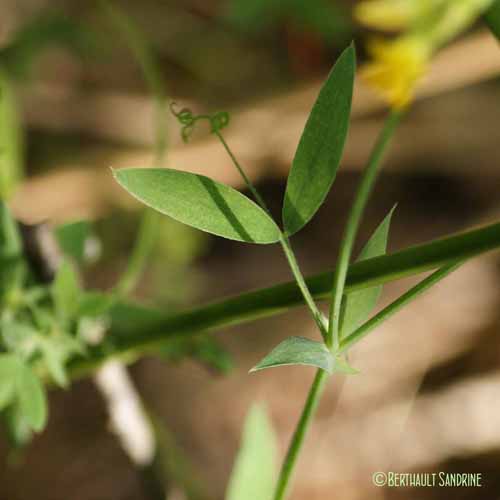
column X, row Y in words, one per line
column 94, row 304
column 10, row 239
column 492, row 18
column 55, row 363
column 10, row 249
column 32, row 398
column 343, row 366
column 17, row 381
column 71, row 238
column 66, row 292
column 200, row 202
column 19, row 337
column 357, row 306
column 254, row 471
column 9, row 365
column 18, row 429
column 298, row 351
column 318, row 155
column 11, row 140
column 57, row 349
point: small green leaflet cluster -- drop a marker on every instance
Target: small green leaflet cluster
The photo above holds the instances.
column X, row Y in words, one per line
column 44, row 327
column 22, row 393
column 218, row 209
column 41, row 328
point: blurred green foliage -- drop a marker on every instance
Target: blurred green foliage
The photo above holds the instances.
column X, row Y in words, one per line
column 492, row 18
column 47, row 29
column 322, row 17
column 45, row 326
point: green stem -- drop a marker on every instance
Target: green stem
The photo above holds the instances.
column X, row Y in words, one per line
column 156, row 327
column 284, row 241
column 301, row 283
column 246, row 179
column 318, row 384
column 340, row 276
column 395, row 306
column 303, row 425
column 352, row 225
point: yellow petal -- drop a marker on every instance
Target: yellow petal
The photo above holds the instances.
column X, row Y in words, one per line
column 396, row 68
column 386, row 14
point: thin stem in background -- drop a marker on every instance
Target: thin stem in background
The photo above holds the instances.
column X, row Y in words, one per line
column 352, row 225
column 143, row 53
column 143, row 246
column 150, row 221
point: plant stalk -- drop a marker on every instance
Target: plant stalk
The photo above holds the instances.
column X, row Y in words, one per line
column 303, row 425
column 395, row 306
column 340, row 275
column 131, row 340
column 352, row 225
column 284, row 241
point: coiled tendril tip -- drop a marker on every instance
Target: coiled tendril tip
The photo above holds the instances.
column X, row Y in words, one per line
column 185, row 116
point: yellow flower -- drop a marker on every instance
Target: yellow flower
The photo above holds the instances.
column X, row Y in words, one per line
column 396, row 68
column 398, row 64
column 386, row 14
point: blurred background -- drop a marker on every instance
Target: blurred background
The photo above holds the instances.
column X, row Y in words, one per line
column 427, row 398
